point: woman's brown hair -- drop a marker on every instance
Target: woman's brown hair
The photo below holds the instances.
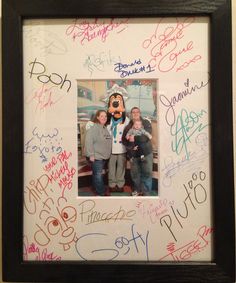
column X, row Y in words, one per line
column 97, row 114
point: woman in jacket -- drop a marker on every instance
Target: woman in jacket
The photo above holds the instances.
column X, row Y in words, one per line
column 98, row 149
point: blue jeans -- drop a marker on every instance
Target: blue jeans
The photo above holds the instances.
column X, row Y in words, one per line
column 97, row 178
column 141, row 174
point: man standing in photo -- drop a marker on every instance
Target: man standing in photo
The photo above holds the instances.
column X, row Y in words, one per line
column 140, row 168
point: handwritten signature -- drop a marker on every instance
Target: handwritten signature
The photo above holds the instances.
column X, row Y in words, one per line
column 35, row 191
column 38, row 69
column 135, row 243
column 172, row 167
column 164, row 46
column 195, row 196
column 43, row 143
column 170, row 115
column 59, row 170
column 89, row 214
column 135, row 67
column 46, row 41
column 44, row 98
column 33, row 252
column 187, row 251
column 98, row 62
column 87, row 31
column 186, row 125
column 152, row 211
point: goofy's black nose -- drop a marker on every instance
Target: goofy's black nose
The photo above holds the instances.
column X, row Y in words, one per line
column 115, row 104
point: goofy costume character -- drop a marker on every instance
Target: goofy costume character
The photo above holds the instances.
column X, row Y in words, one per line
column 117, row 121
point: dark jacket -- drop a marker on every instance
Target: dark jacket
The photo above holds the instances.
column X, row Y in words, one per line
column 147, row 149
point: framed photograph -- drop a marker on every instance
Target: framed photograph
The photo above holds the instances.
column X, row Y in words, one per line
column 96, row 95
column 117, row 141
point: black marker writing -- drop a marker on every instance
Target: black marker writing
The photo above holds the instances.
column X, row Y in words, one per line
column 195, row 195
column 38, row 69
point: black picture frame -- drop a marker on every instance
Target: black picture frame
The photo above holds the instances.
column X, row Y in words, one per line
column 222, row 268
